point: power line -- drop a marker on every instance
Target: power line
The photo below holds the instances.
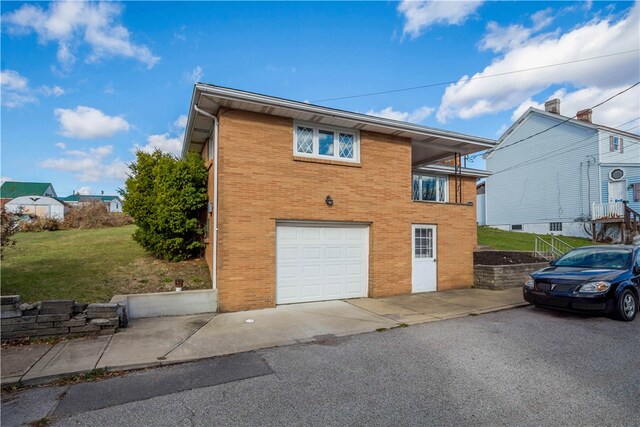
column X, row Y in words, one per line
column 562, row 150
column 474, row 78
column 475, row 156
column 565, row 121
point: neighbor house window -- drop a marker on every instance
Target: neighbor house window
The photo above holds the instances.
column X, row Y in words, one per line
column 516, row 227
column 616, row 144
column 555, row 226
column 430, row 188
column 326, row 143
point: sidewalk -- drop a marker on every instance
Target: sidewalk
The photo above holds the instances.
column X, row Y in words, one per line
column 161, row 341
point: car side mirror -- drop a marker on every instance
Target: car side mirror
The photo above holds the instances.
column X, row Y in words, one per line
column 636, row 270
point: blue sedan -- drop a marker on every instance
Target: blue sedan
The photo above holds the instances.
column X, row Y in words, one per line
column 604, row 279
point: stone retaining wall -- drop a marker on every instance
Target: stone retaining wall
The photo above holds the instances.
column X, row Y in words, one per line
column 504, row 276
column 58, row 317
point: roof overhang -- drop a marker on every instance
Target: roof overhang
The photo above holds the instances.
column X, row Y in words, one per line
column 429, row 144
column 450, row 170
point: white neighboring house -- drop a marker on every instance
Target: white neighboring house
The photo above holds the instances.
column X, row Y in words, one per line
column 113, row 203
column 556, row 175
column 41, row 206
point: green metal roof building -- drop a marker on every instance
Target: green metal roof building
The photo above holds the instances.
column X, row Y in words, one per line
column 13, row 189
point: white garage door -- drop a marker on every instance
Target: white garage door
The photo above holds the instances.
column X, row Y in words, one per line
column 316, row 263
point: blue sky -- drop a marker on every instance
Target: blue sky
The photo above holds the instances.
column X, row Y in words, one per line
column 84, row 85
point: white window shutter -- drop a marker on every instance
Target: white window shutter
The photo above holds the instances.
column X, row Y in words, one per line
column 621, row 147
column 610, row 142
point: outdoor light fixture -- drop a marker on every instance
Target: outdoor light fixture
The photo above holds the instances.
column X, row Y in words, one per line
column 329, row 201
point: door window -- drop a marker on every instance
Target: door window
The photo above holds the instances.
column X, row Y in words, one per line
column 423, row 243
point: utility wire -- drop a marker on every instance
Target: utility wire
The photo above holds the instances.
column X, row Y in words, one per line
column 562, row 150
column 475, row 156
column 565, row 121
column 474, row 78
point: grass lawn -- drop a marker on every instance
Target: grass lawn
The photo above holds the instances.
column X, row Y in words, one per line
column 517, row 241
column 90, row 266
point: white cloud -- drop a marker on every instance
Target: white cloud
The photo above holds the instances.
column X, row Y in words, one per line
column 601, row 36
column 163, row 142
column 616, row 112
column 12, row 80
column 89, row 165
column 420, row 15
column 84, row 190
column 415, row 116
column 168, row 142
column 194, row 76
column 51, row 90
column 71, row 24
column 86, row 122
column 181, row 122
column 61, row 145
column 15, row 89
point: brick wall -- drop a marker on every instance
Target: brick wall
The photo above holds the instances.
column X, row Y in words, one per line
column 504, row 276
column 260, row 181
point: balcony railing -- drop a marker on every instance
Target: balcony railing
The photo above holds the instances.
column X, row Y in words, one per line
column 607, row 211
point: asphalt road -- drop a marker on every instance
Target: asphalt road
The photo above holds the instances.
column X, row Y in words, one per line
column 519, row 367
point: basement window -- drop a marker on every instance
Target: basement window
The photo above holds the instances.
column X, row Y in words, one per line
column 555, row 226
column 325, row 142
column 516, row 227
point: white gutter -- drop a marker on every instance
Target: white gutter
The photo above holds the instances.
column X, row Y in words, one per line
column 214, row 268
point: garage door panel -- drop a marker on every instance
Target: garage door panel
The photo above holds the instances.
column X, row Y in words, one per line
column 320, row 263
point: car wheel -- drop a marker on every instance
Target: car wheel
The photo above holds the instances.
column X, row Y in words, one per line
column 627, row 306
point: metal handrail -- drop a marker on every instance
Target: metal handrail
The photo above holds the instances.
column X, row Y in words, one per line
column 551, row 250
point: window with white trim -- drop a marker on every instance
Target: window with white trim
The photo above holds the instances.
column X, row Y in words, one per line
column 430, row 188
column 555, row 226
column 325, row 142
column 615, row 144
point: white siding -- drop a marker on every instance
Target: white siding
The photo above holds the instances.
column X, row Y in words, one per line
column 545, row 178
column 480, row 207
column 115, row 205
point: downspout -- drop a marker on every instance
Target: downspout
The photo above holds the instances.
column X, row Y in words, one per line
column 214, row 272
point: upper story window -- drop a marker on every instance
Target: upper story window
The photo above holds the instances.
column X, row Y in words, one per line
column 430, row 188
column 326, row 142
column 615, row 144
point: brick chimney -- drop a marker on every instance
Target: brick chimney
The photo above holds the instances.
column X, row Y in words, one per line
column 584, row 115
column 552, row 106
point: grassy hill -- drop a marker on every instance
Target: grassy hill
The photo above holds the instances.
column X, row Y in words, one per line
column 517, row 241
column 90, row 265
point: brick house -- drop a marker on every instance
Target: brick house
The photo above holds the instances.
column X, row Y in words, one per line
column 313, row 203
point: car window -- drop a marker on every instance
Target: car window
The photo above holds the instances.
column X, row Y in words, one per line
column 596, row 258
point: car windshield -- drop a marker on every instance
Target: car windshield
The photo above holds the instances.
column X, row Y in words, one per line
column 617, row 259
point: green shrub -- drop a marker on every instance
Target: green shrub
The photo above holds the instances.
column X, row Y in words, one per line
column 166, row 196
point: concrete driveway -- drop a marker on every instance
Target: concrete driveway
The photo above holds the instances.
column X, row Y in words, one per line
column 167, row 340
column 524, row 367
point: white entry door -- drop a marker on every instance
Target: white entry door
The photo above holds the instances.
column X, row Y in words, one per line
column 424, row 258
column 617, row 191
column 317, row 262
